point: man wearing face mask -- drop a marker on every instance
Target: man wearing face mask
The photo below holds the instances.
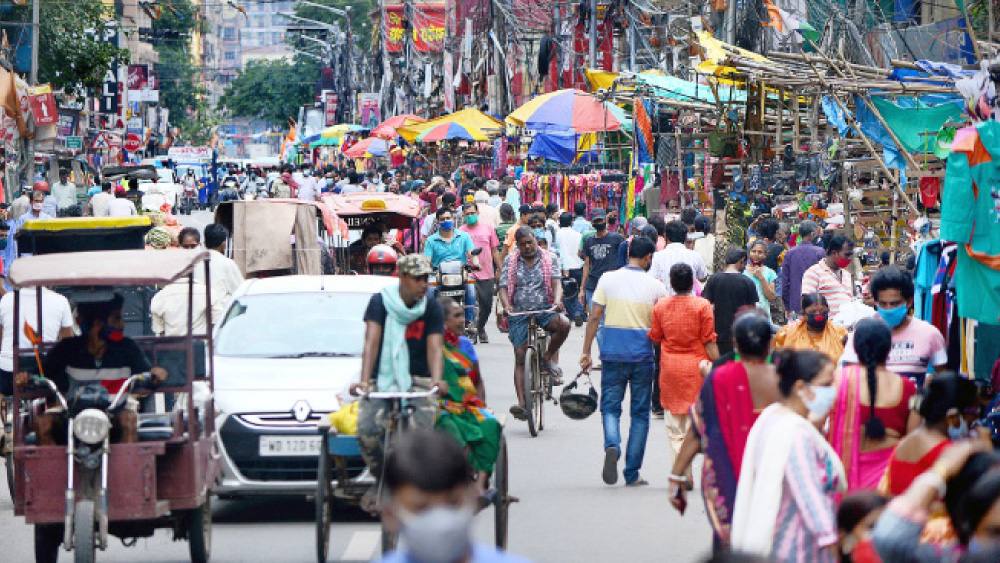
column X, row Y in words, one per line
column 599, row 254
column 448, row 244
column 483, row 236
column 432, row 502
column 916, row 344
column 829, row 276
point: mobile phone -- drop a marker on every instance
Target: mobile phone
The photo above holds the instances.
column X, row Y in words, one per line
column 681, row 500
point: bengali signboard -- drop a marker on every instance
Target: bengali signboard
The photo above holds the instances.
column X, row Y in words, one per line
column 428, row 27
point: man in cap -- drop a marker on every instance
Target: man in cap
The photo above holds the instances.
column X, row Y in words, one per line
column 488, row 215
column 399, row 312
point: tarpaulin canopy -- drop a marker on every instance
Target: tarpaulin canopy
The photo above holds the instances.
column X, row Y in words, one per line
column 685, row 90
column 339, row 130
column 564, row 147
column 716, row 52
column 566, row 111
column 321, row 142
column 467, row 118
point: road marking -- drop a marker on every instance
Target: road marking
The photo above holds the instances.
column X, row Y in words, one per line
column 362, row 546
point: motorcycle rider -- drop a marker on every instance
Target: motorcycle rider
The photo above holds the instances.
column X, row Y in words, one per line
column 190, row 183
column 449, row 244
column 102, row 353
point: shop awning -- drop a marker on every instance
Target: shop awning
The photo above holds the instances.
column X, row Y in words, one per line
column 468, row 118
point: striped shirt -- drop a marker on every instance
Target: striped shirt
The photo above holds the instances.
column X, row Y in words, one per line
column 836, row 288
column 628, row 296
column 806, row 524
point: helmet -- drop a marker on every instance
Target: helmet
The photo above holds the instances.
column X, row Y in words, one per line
column 41, row 186
column 578, row 405
column 383, row 257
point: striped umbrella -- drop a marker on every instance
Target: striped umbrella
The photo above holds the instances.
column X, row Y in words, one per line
column 565, row 111
column 451, row 130
column 372, row 146
column 387, row 129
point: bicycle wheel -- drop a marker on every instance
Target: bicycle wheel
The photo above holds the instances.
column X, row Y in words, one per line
column 530, row 386
column 537, row 388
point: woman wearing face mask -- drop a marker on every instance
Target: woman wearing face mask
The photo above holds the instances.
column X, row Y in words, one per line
column 921, row 345
column 813, row 330
column 762, row 276
column 967, row 477
column 721, row 419
column 785, row 498
column 872, row 412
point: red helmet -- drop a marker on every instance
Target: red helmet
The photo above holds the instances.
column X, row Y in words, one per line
column 41, row 186
column 382, row 257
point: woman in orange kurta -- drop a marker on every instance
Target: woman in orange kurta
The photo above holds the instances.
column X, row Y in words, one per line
column 684, row 327
column 813, row 331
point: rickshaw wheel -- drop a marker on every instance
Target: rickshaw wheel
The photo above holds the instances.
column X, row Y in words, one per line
column 501, row 505
column 9, row 462
column 47, row 540
column 199, row 532
column 389, row 540
column 83, row 532
column 324, row 503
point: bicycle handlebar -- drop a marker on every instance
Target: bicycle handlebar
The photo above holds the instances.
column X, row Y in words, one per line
column 401, row 394
column 524, row 313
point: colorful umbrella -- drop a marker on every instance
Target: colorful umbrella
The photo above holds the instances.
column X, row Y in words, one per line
column 448, row 131
column 338, row 131
column 372, row 146
column 387, row 129
column 469, row 118
column 566, row 110
column 321, row 142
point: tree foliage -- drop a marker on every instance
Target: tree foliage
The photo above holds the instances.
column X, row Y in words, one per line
column 271, row 90
column 70, row 56
column 360, row 15
column 181, row 86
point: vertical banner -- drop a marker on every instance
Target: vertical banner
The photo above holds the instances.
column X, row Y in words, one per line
column 499, row 157
column 43, row 105
column 447, row 85
column 330, row 102
column 368, row 110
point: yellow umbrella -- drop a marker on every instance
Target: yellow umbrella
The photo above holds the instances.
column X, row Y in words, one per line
column 337, row 131
column 471, row 119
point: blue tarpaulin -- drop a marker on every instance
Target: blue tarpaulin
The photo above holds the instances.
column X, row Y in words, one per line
column 558, row 147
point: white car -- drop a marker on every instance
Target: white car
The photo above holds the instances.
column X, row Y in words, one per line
column 286, row 352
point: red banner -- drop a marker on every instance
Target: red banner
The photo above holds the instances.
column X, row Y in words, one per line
column 43, row 104
column 330, row 108
column 428, row 27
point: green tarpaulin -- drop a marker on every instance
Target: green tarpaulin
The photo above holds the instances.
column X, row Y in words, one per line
column 911, row 123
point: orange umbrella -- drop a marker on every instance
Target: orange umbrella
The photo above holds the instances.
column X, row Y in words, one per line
column 387, row 129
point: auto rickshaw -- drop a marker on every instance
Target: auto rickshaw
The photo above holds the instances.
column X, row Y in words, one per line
column 281, row 236
column 362, row 209
column 79, row 493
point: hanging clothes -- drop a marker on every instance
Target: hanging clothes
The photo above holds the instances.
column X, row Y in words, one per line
column 970, row 216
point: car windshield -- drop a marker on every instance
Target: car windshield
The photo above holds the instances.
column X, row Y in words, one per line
column 294, row 325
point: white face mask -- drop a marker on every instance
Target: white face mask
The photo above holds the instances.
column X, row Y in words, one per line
column 822, row 401
column 441, row 534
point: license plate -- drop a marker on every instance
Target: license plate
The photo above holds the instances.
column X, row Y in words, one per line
column 453, row 293
column 289, row 446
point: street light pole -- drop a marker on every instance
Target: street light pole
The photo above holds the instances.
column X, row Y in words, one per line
column 35, row 17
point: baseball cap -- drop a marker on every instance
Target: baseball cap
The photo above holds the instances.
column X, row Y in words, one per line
column 599, row 214
column 638, row 223
column 414, row 265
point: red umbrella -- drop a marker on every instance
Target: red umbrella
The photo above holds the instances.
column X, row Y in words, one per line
column 387, row 129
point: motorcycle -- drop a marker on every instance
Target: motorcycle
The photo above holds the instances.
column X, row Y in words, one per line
column 230, row 190
column 90, row 413
column 451, row 278
column 189, row 198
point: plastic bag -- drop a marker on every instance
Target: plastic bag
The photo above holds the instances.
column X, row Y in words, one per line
column 346, row 419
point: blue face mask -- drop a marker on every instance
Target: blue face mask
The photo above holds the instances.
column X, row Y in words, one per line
column 540, row 234
column 895, row 316
column 447, row 225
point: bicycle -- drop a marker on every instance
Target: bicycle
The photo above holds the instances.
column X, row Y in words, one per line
column 336, row 448
column 537, row 388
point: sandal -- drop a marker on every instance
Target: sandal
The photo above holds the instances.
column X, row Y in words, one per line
column 518, row 412
column 555, row 374
column 640, row 482
column 369, row 501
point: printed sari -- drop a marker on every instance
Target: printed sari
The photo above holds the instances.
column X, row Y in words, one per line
column 462, row 413
column 864, row 469
column 722, row 417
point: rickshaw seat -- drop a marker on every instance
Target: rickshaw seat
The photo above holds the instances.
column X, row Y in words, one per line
column 155, row 433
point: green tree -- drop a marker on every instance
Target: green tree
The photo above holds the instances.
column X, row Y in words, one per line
column 360, row 15
column 70, row 57
column 271, row 90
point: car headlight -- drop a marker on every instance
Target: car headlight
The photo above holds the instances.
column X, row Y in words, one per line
column 452, row 280
column 91, row 426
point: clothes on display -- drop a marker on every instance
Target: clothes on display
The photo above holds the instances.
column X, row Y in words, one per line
column 566, row 189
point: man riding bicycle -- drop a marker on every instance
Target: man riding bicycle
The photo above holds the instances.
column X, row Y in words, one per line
column 403, row 351
column 531, row 280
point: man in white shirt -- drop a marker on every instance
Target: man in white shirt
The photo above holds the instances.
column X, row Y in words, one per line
column 226, row 275
column 120, row 206
column 57, row 323
column 676, row 252
column 169, row 309
column 99, row 202
column 307, row 185
column 488, row 215
column 568, row 241
column 64, row 191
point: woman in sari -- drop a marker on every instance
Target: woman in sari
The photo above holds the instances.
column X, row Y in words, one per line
column 872, row 412
column 813, row 331
column 785, row 506
column 463, row 411
column 731, row 398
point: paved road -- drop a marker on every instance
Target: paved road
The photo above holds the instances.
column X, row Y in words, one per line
column 566, row 512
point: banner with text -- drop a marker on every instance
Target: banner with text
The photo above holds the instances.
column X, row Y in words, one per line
column 428, row 27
